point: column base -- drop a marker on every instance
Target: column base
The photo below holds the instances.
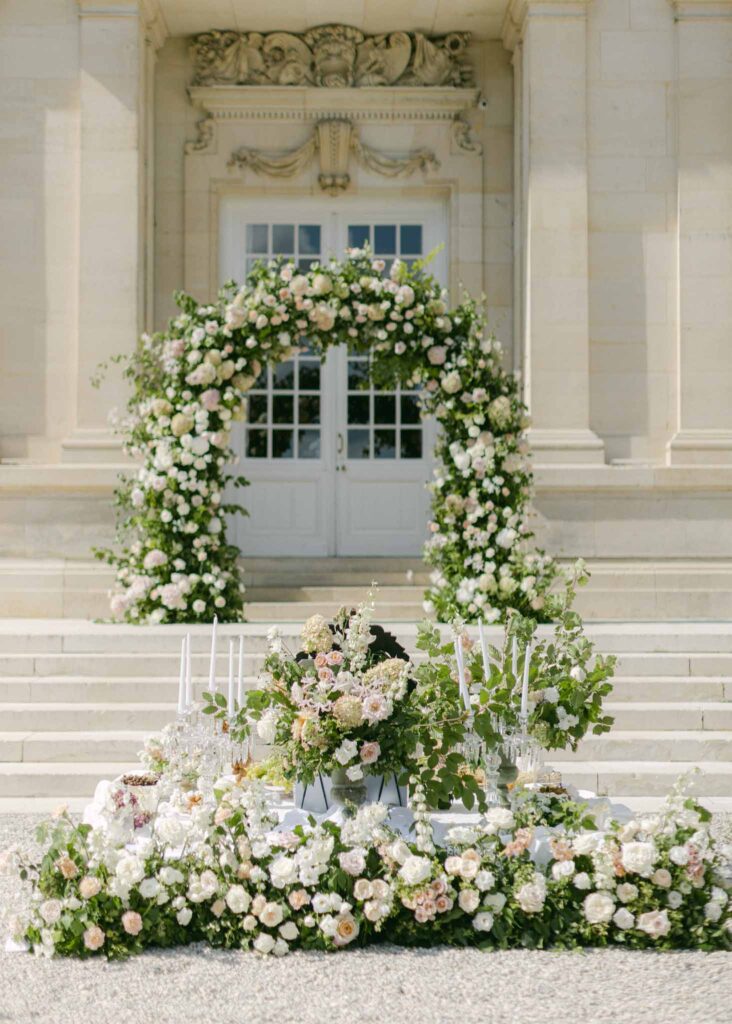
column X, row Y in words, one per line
column 88, row 445
column 700, row 448
column 575, row 447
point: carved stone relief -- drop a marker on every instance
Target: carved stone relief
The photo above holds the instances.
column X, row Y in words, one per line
column 331, row 56
column 334, row 140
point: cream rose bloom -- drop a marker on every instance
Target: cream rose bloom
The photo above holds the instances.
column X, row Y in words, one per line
column 598, row 907
column 654, row 923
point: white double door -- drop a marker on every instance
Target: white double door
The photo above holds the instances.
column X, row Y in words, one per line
column 336, row 467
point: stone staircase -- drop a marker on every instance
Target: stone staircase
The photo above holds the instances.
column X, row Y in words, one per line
column 77, row 700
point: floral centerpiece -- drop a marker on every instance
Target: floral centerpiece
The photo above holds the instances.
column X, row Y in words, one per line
column 341, row 707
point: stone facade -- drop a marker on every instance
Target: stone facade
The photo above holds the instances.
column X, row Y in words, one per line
column 583, row 149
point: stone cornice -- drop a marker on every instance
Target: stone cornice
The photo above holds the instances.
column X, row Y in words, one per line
column 304, row 103
column 519, row 12
column 148, row 10
column 701, row 10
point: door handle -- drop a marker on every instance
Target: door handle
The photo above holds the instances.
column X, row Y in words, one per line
column 339, row 444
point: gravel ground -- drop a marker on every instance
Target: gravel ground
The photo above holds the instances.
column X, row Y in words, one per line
column 383, row 986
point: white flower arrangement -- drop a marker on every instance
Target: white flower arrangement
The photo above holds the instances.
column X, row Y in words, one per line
column 227, row 875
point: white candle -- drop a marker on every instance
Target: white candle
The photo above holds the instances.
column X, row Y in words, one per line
column 189, row 677
column 230, row 697
column 514, row 659
column 464, row 693
column 240, row 675
column 212, row 666
column 182, row 678
column 525, row 683
column 484, row 649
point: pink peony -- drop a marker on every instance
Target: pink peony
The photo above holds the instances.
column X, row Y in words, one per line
column 94, row 938
column 132, row 922
column 370, row 752
column 210, row 399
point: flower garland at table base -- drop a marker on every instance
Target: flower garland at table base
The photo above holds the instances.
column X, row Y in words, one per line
column 189, row 386
column 212, row 868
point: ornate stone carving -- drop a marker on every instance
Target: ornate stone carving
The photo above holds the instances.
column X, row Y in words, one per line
column 464, row 138
column 331, row 56
column 205, row 128
column 333, row 140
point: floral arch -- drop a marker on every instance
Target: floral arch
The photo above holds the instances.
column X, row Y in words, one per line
column 189, row 387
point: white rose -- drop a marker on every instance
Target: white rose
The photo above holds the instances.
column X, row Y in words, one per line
column 130, row 870
column 638, row 858
column 678, row 855
column 530, row 897
column 469, row 900
column 149, row 887
column 283, row 871
column 289, row 931
column 627, row 892
column 238, row 899
column 321, row 903
column 598, row 908
column 415, row 870
column 484, row 880
column 483, row 922
column 452, row 382
column 346, row 752
column 170, row 876
column 623, row 918
column 496, row 900
column 675, row 899
column 267, row 726
column 586, row 843
column 50, row 911
column 582, row 880
column 562, row 869
column 353, row 862
column 264, row 943
column 184, row 916
column 322, row 284
column 498, row 819
column 271, row 915
column 662, row 877
column 654, row 923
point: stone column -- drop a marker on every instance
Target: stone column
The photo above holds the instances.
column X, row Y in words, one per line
column 551, row 81
column 704, row 128
column 116, row 41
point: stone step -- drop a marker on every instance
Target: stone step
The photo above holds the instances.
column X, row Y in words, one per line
column 651, row 745
column 75, row 717
column 162, row 662
column 671, row 716
column 133, row 689
column 110, row 745
column 88, row 690
column 651, row 778
column 29, row 636
column 671, row 688
column 298, row 611
column 58, row 781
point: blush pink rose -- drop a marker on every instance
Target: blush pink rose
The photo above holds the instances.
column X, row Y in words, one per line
column 210, row 399
column 370, row 752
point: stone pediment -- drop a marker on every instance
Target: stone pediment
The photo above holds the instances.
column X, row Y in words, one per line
column 331, row 57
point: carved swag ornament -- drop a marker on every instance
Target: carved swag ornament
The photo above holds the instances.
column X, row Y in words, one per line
column 331, row 56
column 334, row 140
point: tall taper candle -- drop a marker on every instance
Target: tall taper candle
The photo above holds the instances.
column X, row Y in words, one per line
column 189, row 676
column 464, row 693
column 240, row 675
column 212, row 665
column 230, row 696
column 484, row 649
column 182, row 678
column 525, row 682
column 514, row 660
